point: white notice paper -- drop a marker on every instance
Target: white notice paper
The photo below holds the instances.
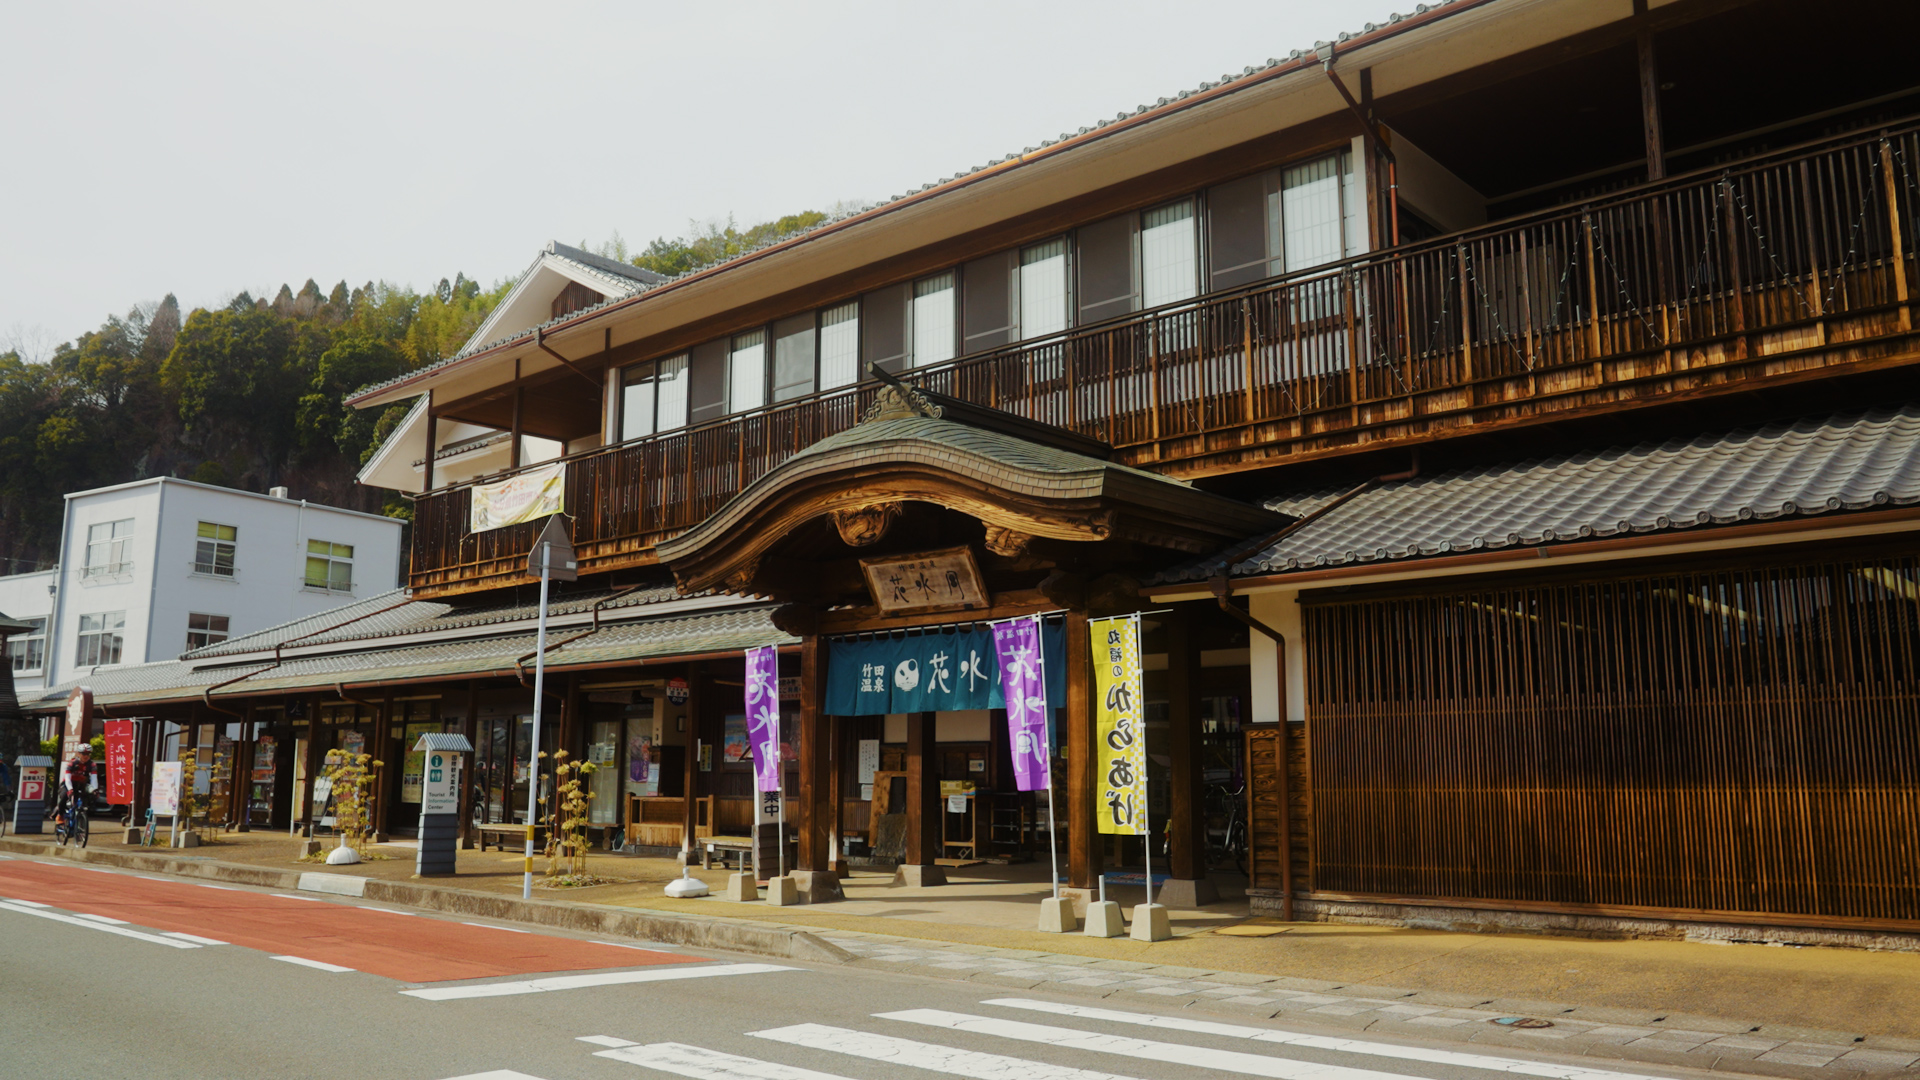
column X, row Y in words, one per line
column 956, row 804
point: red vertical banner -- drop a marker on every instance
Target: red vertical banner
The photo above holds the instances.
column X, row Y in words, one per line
column 120, row 762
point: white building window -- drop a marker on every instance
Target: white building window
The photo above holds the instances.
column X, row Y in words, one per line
column 1043, row 289
column 213, row 551
column 1169, row 255
column 747, row 372
column 933, row 326
column 109, row 549
column 1310, row 213
column 329, row 566
column 840, row 346
column 101, row 639
column 204, row 630
column 653, row 397
column 28, row 651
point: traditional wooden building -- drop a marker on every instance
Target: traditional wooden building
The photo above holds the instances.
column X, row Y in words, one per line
column 1506, row 413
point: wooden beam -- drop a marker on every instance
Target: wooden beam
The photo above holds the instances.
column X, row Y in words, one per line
column 469, row 726
column 1649, row 94
column 816, row 764
column 433, row 433
column 1187, row 819
column 696, row 731
column 923, row 793
column 1083, row 842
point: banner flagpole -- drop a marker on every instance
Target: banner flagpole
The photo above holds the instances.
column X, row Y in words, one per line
column 1146, row 813
column 1046, row 726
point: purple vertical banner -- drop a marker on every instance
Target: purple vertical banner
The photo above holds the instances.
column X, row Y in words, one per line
column 763, row 716
column 1016, row 643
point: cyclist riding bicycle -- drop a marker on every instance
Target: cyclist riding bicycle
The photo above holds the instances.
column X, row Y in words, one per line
column 77, row 778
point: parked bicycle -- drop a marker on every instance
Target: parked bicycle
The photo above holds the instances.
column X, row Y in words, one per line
column 1227, row 825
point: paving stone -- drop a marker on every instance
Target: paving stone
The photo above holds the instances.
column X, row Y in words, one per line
column 1313, row 999
column 1181, row 972
column 1763, row 1067
column 1382, row 993
column 1686, row 1038
column 1409, row 1010
column 1801, row 1054
column 1438, row 1021
column 1745, row 1042
column 1341, row 1010
column 1875, row 1060
column 1122, row 965
column 1889, row 1042
column 1240, row 978
column 1167, row 991
column 1446, row 999
column 1016, row 982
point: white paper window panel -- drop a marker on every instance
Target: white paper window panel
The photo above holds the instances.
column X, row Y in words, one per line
column 1310, row 214
column 636, row 409
column 747, row 374
column 670, row 400
column 1169, row 256
column 1043, row 289
column 840, row 346
column 933, row 326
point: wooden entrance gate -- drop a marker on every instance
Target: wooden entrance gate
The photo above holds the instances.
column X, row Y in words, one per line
column 1718, row 740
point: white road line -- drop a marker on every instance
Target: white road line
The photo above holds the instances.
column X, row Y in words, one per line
column 25, row 903
column 74, row 920
column 148, row 877
column 919, row 1055
column 1199, row 1057
column 101, row 919
column 390, row 911
column 606, row 1040
column 204, row 885
column 1324, row 1042
column 575, row 982
column 495, row 1074
column 290, row 896
column 318, row 965
column 645, row 946
column 195, row 938
column 95, row 870
column 703, row 1064
column 490, row 926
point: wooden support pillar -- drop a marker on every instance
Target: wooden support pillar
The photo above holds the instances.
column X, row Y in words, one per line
column 469, row 726
column 433, row 443
column 1083, row 837
column 696, row 734
column 816, row 764
column 388, row 775
column 519, row 403
column 1649, row 96
column 1187, row 885
column 242, row 772
column 304, row 811
column 923, row 806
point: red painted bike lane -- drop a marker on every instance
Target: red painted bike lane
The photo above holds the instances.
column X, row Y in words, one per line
column 398, row 946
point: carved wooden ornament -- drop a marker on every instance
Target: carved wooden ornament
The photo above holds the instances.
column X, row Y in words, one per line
column 862, row 526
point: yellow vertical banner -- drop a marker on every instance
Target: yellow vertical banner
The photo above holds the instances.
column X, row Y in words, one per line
column 1119, row 728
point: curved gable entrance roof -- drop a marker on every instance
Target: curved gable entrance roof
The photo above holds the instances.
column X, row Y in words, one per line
column 1021, row 481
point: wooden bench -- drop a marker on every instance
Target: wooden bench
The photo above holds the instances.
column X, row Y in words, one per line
column 502, row 835
column 739, row 846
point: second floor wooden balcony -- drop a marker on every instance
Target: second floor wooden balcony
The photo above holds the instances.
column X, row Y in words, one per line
column 1780, row 269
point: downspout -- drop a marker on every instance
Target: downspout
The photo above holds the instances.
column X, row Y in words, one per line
column 206, row 696
column 520, row 663
column 1374, row 142
column 153, row 583
column 1222, row 588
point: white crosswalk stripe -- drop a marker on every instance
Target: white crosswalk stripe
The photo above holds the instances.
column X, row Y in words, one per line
column 929, row 1056
column 40, row 910
column 576, row 982
column 1226, row 1061
column 703, row 1064
column 1323, row 1042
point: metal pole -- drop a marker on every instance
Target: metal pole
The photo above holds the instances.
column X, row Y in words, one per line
column 1046, row 730
column 539, row 699
column 1146, row 814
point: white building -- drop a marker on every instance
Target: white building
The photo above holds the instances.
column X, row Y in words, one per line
column 153, row 568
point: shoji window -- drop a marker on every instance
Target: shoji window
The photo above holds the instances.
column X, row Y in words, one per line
column 1169, row 255
column 671, row 398
column 989, row 304
column 747, row 372
column 1311, row 225
column 933, row 323
column 840, row 346
column 1043, row 289
column 793, row 357
column 653, row 397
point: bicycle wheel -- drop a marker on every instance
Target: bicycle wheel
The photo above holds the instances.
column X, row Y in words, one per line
column 81, row 828
column 60, row 832
column 1237, row 846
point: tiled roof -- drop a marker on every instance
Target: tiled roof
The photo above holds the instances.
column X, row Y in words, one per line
column 687, row 635
column 391, row 614
column 1297, row 58
column 1815, row 466
column 603, row 265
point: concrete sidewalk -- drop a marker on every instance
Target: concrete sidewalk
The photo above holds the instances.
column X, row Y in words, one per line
column 1751, row 1009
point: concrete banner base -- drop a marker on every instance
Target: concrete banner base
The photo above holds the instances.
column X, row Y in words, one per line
column 817, row 886
column 1103, row 919
column 1150, row 923
column 743, row 888
column 1057, row 917
column 781, row 892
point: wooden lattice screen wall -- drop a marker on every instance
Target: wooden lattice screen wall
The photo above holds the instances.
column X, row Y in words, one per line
column 1707, row 740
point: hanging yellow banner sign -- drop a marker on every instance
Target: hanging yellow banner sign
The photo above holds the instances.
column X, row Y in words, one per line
column 1119, row 728
column 525, row 496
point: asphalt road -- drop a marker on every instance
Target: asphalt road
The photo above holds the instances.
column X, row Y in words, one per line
column 111, row 974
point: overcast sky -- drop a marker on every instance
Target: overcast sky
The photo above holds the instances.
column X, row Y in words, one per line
column 203, row 149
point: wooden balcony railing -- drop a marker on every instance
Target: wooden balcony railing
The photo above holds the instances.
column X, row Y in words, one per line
column 1697, row 285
